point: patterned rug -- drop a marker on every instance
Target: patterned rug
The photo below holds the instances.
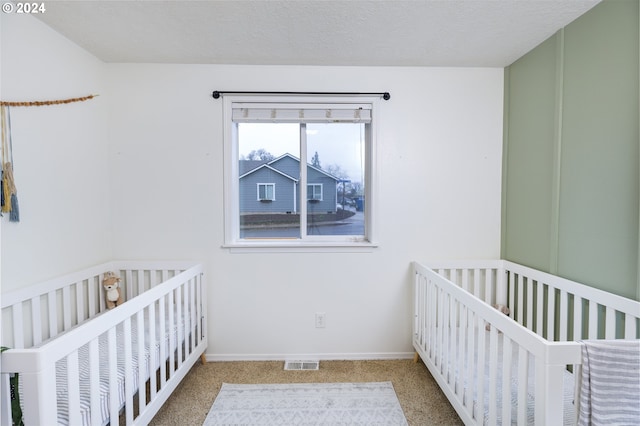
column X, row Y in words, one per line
column 366, row 404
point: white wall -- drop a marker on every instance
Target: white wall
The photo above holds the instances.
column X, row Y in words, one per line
column 60, row 155
column 439, row 146
column 137, row 173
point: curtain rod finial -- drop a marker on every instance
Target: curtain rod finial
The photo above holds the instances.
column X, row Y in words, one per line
column 215, row 94
column 386, row 96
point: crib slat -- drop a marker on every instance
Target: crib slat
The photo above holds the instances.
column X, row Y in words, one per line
column 551, row 309
column 128, row 371
column 18, row 337
column 493, row 374
column 153, row 360
column 523, row 383
column 465, row 279
column 194, row 316
column 171, row 331
column 564, row 314
column 610, row 323
column 480, row 367
column 66, row 307
column 506, row 380
column 540, row 309
column 153, row 279
column 577, row 317
column 142, row 363
column 80, row 313
column 520, row 290
column 463, row 349
column 443, row 344
column 502, row 286
column 163, row 340
column 180, row 324
column 73, row 388
column 36, row 320
column 128, row 289
column 113, row 377
column 471, row 321
column 431, row 316
column 53, row 314
column 512, row 291
column 530, row 305
column 102, row 296
column 477, row 287
column 440, row 334
column 488, row 288
column 593, row 320
column 92, row 285
column 141, row 282
column 94, row 381
column 630, row 327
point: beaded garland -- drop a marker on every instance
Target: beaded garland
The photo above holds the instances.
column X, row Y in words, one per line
column 45, row 103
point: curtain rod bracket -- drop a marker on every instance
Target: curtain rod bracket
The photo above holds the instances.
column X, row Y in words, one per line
column 385, row 95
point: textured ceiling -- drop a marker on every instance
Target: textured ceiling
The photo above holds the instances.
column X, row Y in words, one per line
column 491, row 33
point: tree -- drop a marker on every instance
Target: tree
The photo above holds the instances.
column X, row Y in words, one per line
column 315, row 161
column 260, row 155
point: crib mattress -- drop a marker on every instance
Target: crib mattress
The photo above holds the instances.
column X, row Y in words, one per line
column 569, row 417
column 84, row 369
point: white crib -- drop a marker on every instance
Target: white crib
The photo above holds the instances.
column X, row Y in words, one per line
column 481, row 357
column 82, row 364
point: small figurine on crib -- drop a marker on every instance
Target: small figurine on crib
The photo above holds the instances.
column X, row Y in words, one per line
column 111, row 284
column 502, row 308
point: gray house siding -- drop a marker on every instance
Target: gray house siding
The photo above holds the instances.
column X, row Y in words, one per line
column 284, row 173
column 287, row 165
column 283, row 201
column 328, row 202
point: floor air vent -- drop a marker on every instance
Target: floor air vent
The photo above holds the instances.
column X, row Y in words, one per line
column 301, row 365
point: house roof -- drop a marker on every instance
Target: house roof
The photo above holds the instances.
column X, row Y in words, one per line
column 248, row 167
column 266, row 166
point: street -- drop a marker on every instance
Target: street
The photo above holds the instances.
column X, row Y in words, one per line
column 353, row 225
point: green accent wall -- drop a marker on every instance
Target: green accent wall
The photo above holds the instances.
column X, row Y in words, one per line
column 571, row 152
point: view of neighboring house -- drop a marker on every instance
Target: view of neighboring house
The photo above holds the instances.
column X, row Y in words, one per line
column 272, row 187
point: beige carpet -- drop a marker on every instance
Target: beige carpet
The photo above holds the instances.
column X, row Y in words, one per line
column 421, row 399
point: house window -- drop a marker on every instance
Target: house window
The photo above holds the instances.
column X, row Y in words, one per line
column 318, row 151
column 266, row 191
column 314, row 192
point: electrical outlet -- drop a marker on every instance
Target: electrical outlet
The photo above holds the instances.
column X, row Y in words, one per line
column 321, row 320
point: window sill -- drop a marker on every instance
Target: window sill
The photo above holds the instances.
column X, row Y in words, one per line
column 300, row 247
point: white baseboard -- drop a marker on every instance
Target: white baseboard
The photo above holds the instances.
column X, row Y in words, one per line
column 320, row 357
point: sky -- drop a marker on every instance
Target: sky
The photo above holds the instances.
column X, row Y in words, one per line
column 339, row 144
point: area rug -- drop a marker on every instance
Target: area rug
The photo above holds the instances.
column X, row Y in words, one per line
column 335, row 404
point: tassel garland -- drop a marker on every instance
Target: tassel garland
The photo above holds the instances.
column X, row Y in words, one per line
column 9, row 192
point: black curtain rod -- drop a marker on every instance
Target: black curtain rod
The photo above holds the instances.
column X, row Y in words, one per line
column 385, row 95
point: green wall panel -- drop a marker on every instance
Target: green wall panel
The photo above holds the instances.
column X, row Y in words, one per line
column 571, row 180
column 598, row 217
column 529, row 157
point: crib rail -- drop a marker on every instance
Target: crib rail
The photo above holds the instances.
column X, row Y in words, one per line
column 148, row 339
column 450, row 337
column 560, row 309
column 34, row 314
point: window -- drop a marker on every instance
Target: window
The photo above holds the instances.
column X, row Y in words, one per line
column 266, row 191
column 318, row 152
column 314, row 192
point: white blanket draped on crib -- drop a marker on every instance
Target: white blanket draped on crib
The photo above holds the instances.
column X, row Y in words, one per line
column 610, row 388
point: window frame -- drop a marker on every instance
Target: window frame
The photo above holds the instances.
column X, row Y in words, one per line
column 266, row 185
column 311, row 197
column 336, row 243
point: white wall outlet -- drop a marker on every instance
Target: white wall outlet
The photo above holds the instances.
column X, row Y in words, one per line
column 321, row 320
